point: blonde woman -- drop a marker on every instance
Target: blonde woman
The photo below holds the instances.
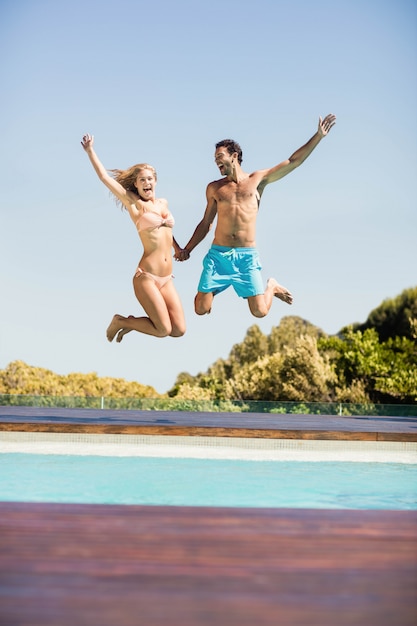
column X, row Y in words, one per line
column 153, row 283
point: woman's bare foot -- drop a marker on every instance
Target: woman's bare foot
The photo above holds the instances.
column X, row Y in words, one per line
column 122, row 333
column 115, row 325
column 279, row 291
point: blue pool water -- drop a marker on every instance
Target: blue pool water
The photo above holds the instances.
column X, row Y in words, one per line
column 206, row 482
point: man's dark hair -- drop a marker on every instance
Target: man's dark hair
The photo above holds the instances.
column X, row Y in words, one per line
column 231, row 146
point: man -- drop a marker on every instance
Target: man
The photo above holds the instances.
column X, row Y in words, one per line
column 233, row 258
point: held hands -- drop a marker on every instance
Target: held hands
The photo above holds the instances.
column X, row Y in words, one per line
column 182, row 254
column 87, row 141
column 326, row 124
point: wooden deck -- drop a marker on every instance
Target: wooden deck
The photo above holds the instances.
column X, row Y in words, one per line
column 66, row 565
column 265, row 425
column 70, row 564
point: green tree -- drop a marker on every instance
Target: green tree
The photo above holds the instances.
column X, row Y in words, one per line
column 305, row 374
column 398, row 383
column 377, row 371
column 22, row 379
column 299, row 373
column 184, row 378
column 253, row 347
column 298, row 362
column 289, row 330
column 256, row 381
column 395, row 317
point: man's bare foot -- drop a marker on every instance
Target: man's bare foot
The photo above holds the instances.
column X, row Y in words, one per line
column 115, row 325
column 279, row 291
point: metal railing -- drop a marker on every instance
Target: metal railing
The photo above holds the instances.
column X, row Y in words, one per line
column 222, row 406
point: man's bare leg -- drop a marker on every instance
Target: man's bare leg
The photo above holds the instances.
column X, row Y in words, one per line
column 203, row 303
column 279, row 291
column 259, row 305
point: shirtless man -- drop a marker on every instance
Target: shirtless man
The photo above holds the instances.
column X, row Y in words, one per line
column 233, row 258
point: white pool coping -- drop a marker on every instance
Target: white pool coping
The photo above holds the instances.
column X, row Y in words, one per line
column 250, row 449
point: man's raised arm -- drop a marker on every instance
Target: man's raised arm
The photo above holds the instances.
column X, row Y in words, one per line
column 300, row 155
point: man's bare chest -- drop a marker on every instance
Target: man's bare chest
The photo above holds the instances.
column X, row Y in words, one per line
column 244, row 194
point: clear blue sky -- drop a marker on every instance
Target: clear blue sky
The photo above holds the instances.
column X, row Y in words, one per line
column 161, row 82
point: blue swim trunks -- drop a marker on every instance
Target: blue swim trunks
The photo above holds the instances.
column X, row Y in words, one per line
column 237, row 267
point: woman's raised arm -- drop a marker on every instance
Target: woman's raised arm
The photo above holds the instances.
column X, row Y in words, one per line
column 126, row 197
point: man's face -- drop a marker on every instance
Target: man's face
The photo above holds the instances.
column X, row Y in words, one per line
column 224, row 160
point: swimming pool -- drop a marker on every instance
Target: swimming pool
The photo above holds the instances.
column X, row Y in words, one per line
column 191, row 471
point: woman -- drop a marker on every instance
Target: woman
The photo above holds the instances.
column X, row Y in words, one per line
column 154, row 288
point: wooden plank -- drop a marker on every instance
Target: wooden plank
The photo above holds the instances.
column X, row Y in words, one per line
column 190, row 431
column 129, row 565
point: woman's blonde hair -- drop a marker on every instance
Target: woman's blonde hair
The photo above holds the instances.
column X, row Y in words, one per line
column 127, row 178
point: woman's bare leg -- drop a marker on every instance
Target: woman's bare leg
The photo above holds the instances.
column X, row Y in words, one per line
column 175, row 310
column 163, row 307
column 122, row 333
